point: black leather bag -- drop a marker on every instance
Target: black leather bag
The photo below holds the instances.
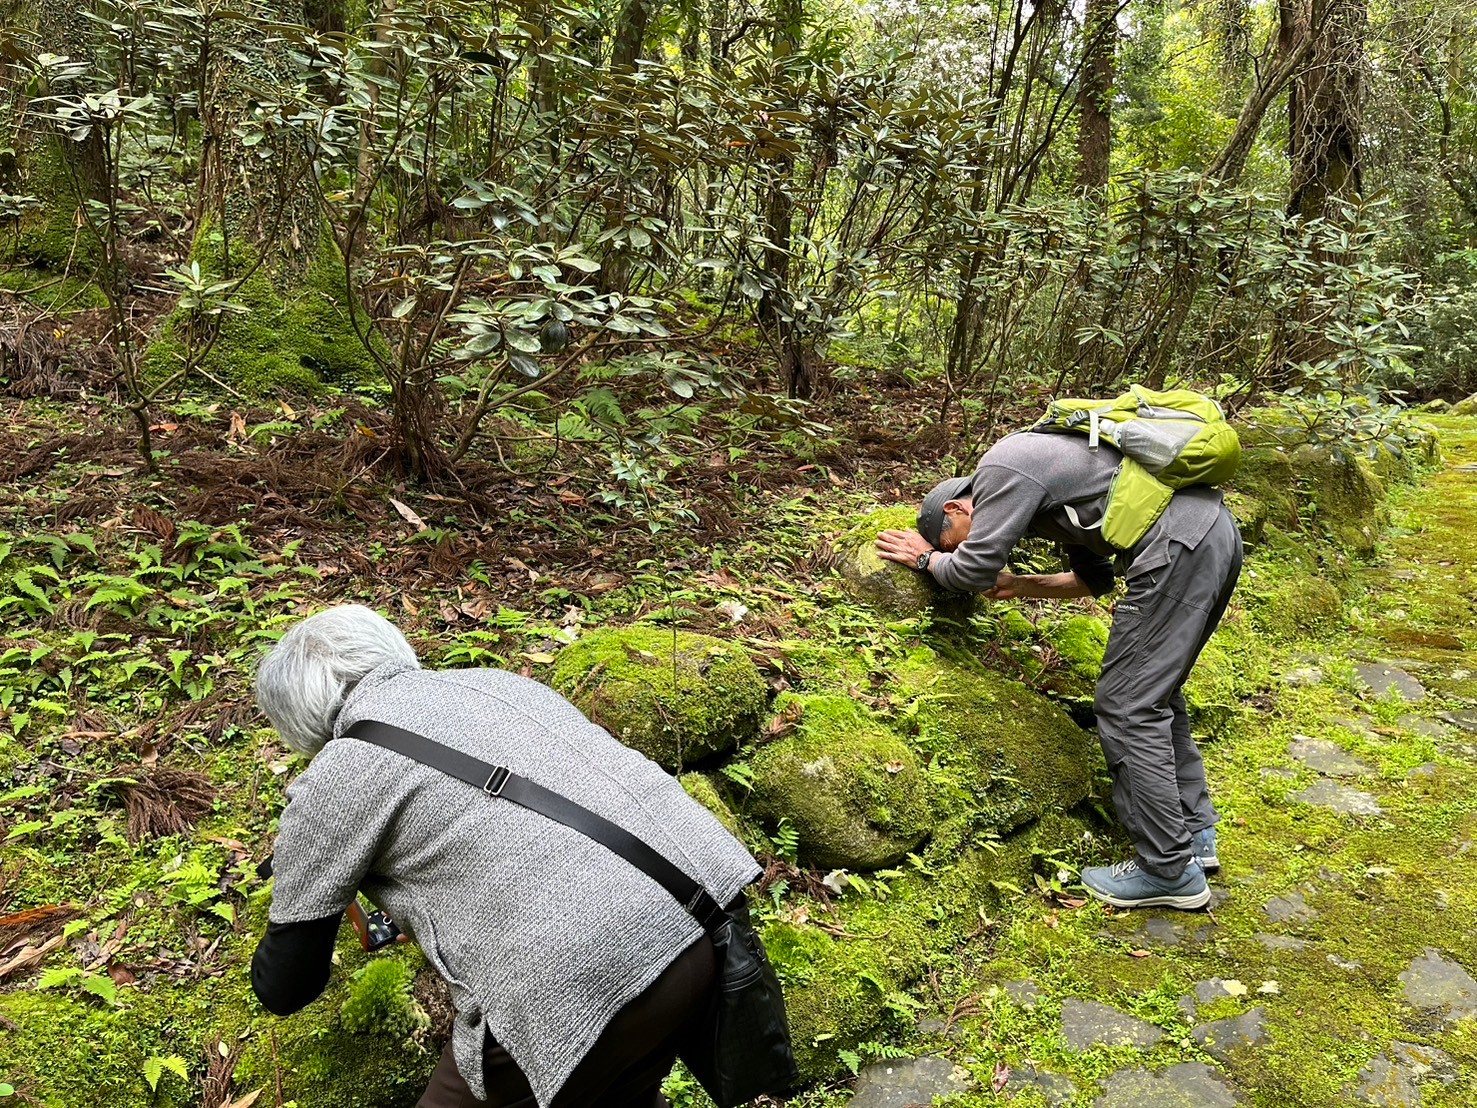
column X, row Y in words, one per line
column 743, row 1049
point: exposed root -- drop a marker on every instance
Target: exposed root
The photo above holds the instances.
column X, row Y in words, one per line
column 162, row 801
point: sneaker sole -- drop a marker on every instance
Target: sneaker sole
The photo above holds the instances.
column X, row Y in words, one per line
column 1185, row 903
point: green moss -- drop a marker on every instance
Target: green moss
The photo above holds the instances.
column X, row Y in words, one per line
column 295, row 335
column 51, row 237
column 852, row 790
column 889, row 587
column 676, row 699
column 379, row 1000
column 1299, row 606
column 701, row 788
column 1080, row 642
column 51, row 292
column 1250, row 515
column 1007, row 753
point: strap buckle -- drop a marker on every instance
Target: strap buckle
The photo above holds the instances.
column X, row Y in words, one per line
column 496, row 781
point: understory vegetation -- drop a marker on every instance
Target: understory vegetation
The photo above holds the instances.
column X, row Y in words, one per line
column 596, row 343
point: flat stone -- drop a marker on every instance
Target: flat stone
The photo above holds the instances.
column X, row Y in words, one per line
column 1339, row 798
column 1275, row 943
column 1292, row 907
column 1443, row 986
column 1211, row 989
column 1357, row 725
column 1189, row 1007
column 1467, row 720
column 1025, row 993
column 1303, row 675
column 1424, row 770
column 1187, row 1085
column 1326, row 757
column 1219, row 1038
column 904, row 1082
column 1145, row 931
column 1054, row 1088
column 1426, row 728
column 1090, row 1023
column 1393, row 1079
column 1381, row 677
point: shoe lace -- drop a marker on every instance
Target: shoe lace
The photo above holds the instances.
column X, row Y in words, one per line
column 1124, row 869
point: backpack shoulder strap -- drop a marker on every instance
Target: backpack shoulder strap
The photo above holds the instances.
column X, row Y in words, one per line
column 499, row 783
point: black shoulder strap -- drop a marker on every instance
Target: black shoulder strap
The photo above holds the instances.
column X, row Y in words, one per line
column 498, row 782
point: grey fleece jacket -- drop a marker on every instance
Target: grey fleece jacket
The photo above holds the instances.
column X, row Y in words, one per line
column 1025, row 484
column 542, row 934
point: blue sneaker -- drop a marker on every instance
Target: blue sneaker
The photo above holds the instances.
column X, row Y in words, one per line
column 1203, row 845
column 1126, row 885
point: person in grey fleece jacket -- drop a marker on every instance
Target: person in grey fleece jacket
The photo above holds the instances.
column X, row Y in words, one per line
column 1180, row 577
column 575, row 976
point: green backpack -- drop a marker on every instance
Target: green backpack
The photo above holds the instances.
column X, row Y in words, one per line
column 1169, row 440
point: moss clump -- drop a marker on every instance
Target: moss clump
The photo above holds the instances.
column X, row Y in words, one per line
column 1080, row 642
column 1299, row 606
column 53, row 236
column 887, row 586
column 379, row 1000
column 852, row 789
column 295, row 335
column 675, row 701
column 701, row 788
column 1347, row 497
column 1010, row 752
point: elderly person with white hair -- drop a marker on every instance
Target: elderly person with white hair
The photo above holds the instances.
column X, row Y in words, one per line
column 575, row 976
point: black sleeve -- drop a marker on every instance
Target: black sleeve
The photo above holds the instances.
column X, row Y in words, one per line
column 1092, row 569
column 291, row 965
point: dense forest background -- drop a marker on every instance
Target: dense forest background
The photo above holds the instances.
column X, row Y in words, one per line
column 604, row 225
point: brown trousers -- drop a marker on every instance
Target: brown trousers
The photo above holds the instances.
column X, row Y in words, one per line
column 626, row 1066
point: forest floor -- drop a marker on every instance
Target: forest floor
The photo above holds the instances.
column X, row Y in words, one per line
column 137, row 785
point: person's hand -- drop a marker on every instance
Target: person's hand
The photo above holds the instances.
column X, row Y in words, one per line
column 903, row 547
column 1005, row 587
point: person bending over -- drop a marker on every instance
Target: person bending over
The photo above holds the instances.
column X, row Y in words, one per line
column 574, row 975
column 1180, row 578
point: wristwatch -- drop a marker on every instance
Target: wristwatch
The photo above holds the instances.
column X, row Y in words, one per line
column 923, row 560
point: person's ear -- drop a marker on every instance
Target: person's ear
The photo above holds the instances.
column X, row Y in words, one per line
column 957, row 508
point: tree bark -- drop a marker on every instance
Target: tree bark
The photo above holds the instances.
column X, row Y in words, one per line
column 1095, row 93
column 1325, row 112
column 779, row 210
column 630, row 35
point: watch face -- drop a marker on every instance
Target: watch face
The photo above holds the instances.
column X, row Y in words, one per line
column 923, row 559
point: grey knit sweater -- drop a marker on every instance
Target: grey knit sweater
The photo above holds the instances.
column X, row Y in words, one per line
column 542, row 934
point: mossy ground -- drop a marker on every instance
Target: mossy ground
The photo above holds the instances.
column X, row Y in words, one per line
column 936, row 936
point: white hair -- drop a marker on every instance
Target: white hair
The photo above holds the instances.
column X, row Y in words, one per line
column 303, row 681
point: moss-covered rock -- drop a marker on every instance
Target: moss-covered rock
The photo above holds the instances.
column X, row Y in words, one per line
column 1250, row 515
column 851, row 788
column 887, row 586
column 294, row 335
column 701, row 788
column 1465, row 407
column 675, row 700
column 1006, row 753
column 1298, row 606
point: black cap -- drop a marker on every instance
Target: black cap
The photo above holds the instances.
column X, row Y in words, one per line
column 931, row 515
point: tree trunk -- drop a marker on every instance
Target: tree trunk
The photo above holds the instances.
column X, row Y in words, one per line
column 630, row 35
column 1325, row 111
column 1095, row 92
column 779, row 210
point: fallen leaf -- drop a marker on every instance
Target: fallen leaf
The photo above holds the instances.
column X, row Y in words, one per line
column 407, row 513
column 837, row 881
column 122, row 975
column 1001, row 1076
column 1140, row 953
column 895, row 767
column 734, row 610
column 1268, row 987
column 244, row 1102
column 149, row 754
column 1234, row 988
column 238, row 432
column 1071, row 901
column 30, row 956
column 542, row 657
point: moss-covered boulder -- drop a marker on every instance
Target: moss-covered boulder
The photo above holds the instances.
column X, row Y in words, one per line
column 1250, row 515
column 702, row 788
column 1465, row 407
column 1006, row 753
column 1297, row 606
column 852, row 789
column 677, row 699
column 294, row 335
column 893, row 589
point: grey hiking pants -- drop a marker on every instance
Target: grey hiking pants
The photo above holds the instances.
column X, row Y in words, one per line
column 1159, row 629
